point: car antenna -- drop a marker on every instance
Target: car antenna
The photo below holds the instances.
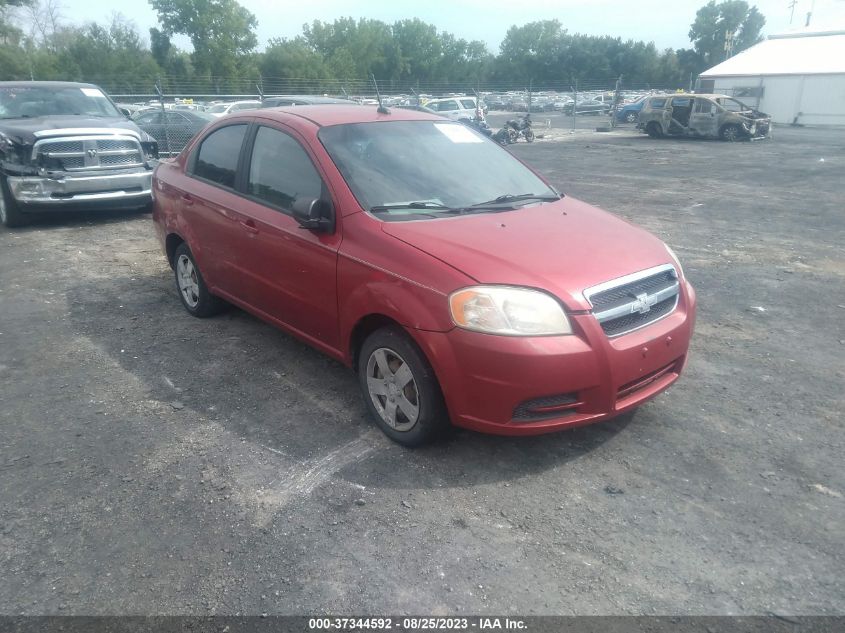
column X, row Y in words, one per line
column 381, row 108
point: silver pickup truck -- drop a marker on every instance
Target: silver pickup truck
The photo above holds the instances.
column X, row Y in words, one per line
column 65, row 146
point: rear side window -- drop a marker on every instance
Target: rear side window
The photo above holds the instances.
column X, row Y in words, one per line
column 657, row 104
column 469, row 104
column 217, row 159
column 280, row 172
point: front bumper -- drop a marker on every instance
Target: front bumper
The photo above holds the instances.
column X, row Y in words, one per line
column 488, row 381
column 84, row 190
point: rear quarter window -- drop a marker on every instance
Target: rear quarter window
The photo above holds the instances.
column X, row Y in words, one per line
column 657, row 104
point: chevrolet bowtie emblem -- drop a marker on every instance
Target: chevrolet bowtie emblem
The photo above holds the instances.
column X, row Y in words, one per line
column 642, row 304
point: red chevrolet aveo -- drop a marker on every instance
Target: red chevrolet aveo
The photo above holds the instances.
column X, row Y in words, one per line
column 459, row 285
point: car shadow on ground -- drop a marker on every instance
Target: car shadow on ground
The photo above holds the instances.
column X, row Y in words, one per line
column 63, row 218
column 264, row 386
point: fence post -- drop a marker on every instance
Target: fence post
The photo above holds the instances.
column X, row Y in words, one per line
column 574, row 104
column 163, row 116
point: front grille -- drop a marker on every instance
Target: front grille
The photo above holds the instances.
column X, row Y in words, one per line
column 635, row 321
column 634, row 301
column 89, row 152
column 644, row 381
column 547, row 407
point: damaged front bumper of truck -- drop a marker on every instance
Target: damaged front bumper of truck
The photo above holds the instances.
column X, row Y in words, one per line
column 61, row 189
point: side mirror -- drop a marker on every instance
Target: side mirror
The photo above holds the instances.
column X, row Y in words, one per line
column 314, row 214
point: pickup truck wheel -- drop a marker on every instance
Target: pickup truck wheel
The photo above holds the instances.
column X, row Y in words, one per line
column 10, row 216
column 400, row 389
column 731, row 133
column 193, row 292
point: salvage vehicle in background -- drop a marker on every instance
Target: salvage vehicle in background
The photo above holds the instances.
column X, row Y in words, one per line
column 66, row 146
column 703, row 116
column 479, row 296
column 221, row 109
column 172, row 129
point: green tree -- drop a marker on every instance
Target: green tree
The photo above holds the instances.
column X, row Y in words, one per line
column 730, row 19
column 222, row 33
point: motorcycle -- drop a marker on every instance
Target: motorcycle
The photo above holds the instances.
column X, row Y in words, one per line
column 521, row 127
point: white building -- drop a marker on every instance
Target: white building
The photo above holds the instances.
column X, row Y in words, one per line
column 795, row 77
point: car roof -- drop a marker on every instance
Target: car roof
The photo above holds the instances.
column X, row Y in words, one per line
column 326, row 115
column 311, row 98
column 45, row 84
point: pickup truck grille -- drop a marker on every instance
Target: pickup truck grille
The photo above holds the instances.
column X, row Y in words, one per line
column 86, row 153
column 629, row 303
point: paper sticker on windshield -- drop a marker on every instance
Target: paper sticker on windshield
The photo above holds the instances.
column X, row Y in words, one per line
column 92, row 92
column 458, row 133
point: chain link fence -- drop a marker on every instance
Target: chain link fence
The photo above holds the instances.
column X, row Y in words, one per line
column 174, row 110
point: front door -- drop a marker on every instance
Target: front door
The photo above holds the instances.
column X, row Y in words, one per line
column 292, row 270
column 704, row 121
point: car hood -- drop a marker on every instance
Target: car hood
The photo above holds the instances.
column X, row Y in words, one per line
column 23, row 131
column 562, row 247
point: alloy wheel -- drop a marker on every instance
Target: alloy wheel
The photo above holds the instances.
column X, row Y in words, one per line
column 392, row 389
column 188, row 282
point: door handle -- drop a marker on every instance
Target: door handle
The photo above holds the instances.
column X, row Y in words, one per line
column 187, row 200
column 249, row 226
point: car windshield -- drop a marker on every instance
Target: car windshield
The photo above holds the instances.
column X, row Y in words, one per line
column 35, row 101
column 434, row 165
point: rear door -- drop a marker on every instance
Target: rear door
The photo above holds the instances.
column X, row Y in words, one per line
column 291, row 270
column 209, row 207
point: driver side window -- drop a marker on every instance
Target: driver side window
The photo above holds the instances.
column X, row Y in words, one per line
column 703, row 106
column 280, row 172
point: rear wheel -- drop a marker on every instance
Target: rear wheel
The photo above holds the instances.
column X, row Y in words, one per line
column 193, row 292
column 10, row 216
column 654, row 130
column 731, row 133
column 529, row 135
column 400, row 389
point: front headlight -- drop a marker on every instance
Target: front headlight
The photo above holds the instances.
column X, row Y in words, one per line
column 509, row 311
column 675, row 259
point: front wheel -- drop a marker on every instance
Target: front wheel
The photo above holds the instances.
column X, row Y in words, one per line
column 654, row 130
column 400, row 389
column 731, row 133
column 631, row 117
column 529, row 135
column 10, row 216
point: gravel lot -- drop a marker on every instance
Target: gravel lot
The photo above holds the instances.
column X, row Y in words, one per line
column 152, row 463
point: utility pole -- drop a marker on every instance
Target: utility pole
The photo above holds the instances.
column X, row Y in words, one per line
column 810, row 12
column 729, row 43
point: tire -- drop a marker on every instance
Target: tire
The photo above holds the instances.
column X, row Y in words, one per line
column 529, row 135
column 190, row 285
column 631, row 117
column 513, row 136
column 411, row 413
column 731, row 133
column 653, row 130
column 10, row 215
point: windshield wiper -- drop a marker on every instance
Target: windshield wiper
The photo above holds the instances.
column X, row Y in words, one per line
column 436, row 206
column 514, row 198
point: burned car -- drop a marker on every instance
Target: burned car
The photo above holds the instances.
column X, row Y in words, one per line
column 703, row 116
column 66, row 146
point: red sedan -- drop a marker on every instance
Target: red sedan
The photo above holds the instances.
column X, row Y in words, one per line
column 457, row 283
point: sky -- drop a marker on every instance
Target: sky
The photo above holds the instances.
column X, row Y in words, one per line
column 665, row 22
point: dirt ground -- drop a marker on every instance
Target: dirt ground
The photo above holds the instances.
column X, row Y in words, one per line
column 152, row 463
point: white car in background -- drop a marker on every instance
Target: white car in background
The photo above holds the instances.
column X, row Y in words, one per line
column 220, row 109
column 455, row 108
